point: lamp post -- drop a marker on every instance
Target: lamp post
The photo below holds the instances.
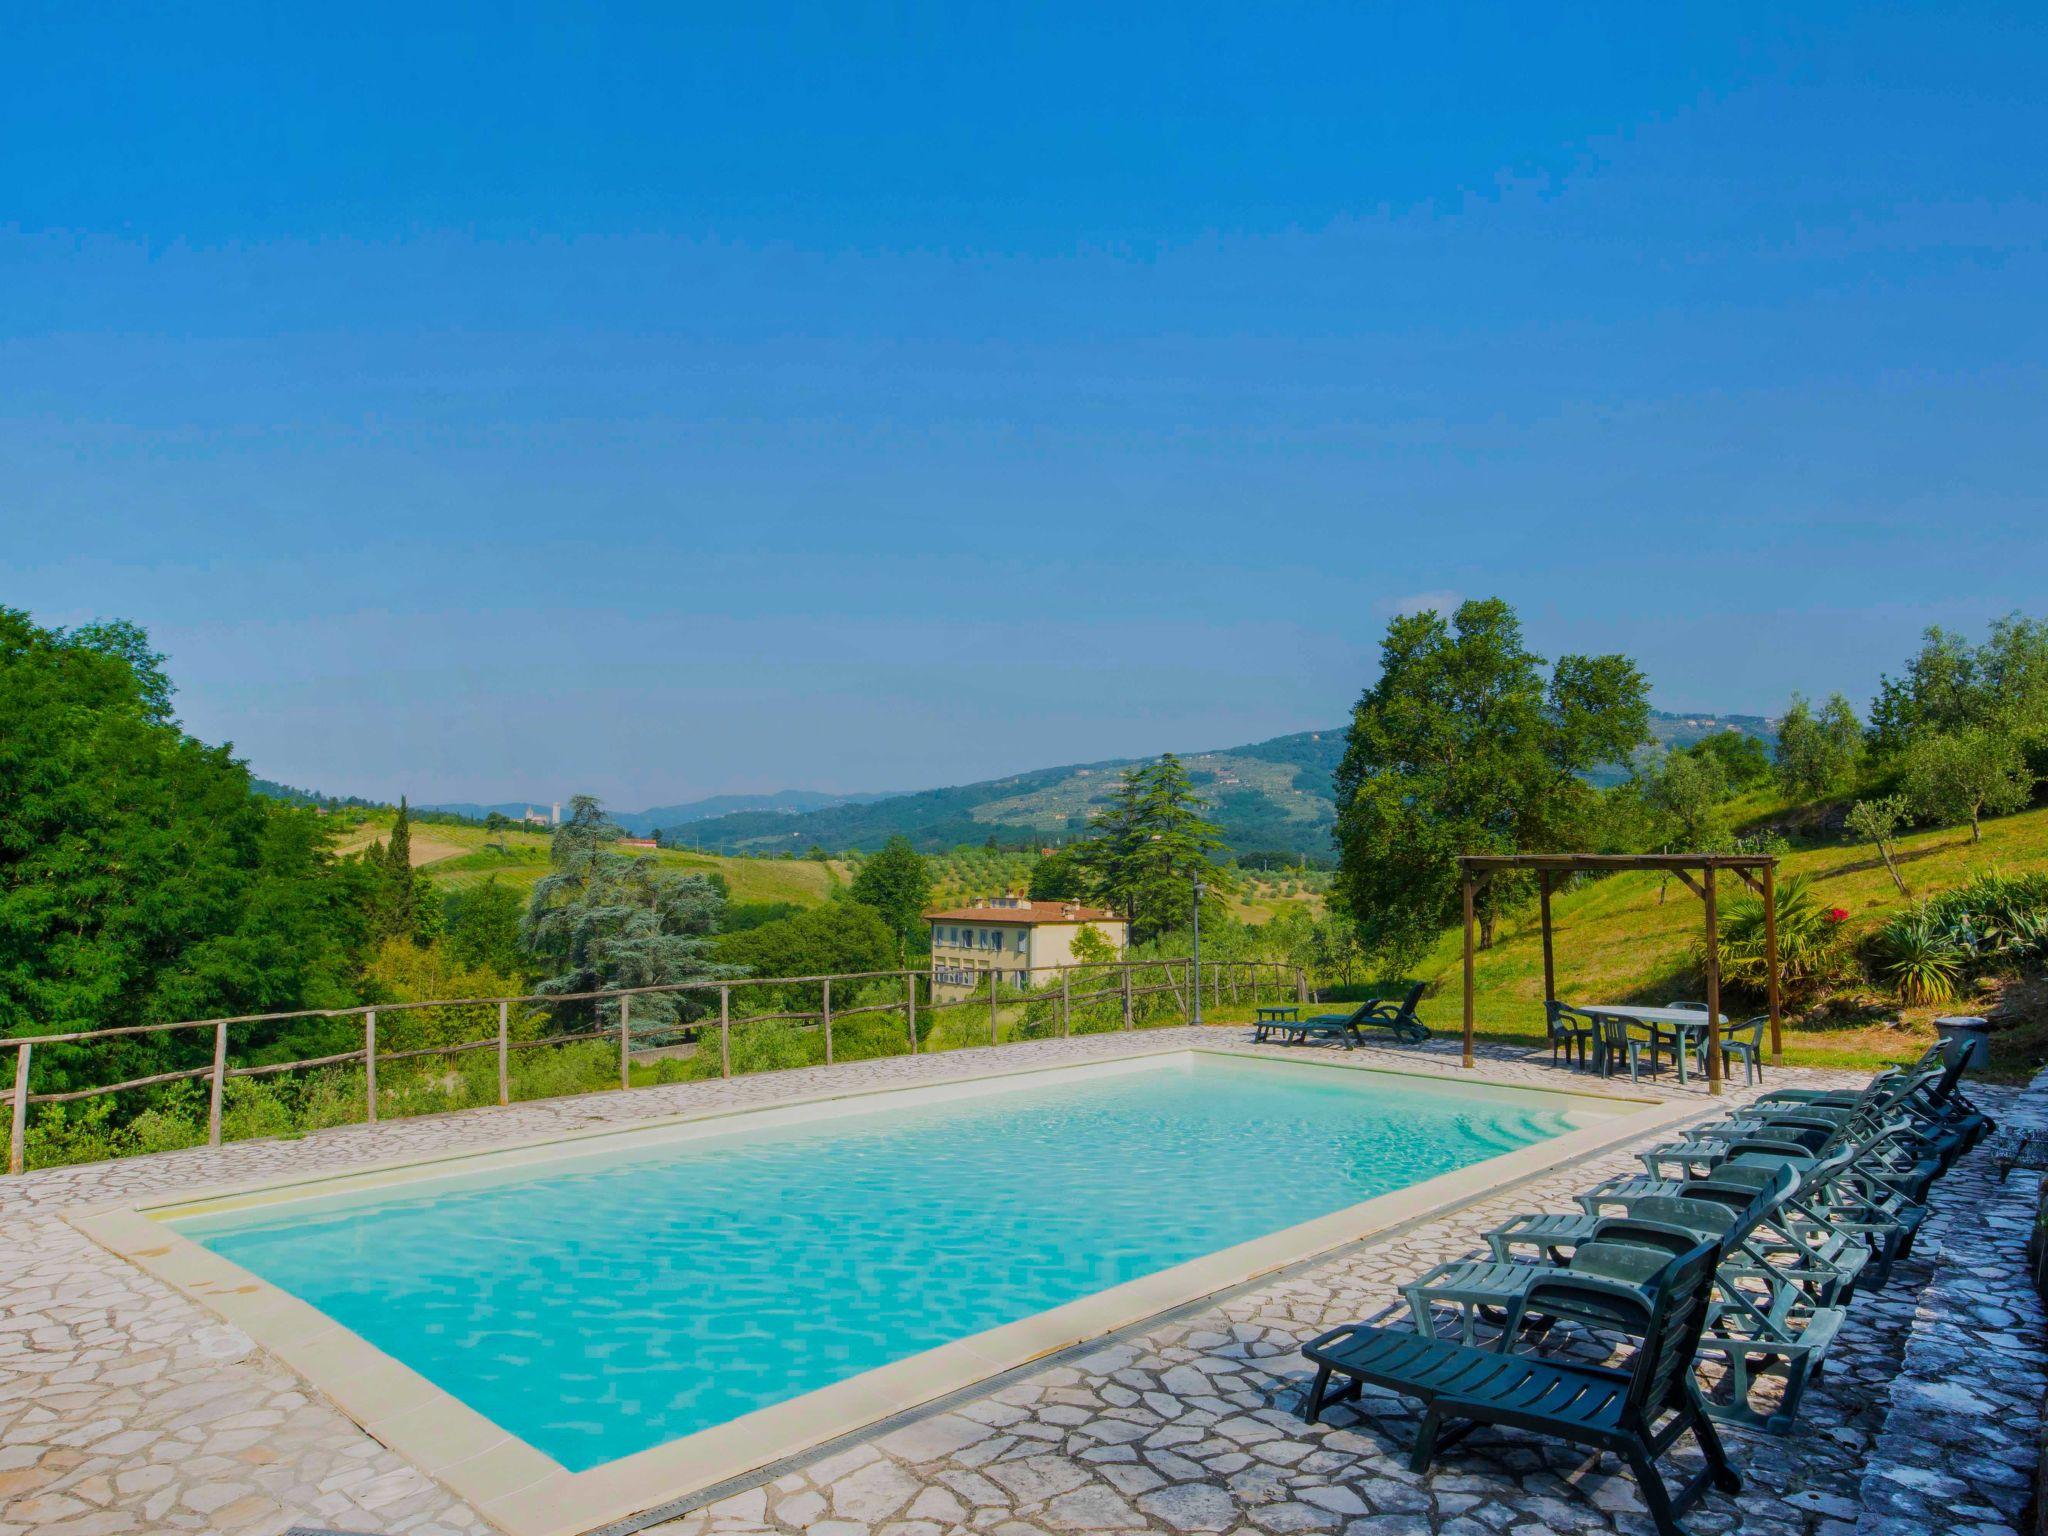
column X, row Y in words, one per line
column 1196, row 979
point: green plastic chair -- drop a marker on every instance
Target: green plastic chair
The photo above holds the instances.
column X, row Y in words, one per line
column 1746, row 1040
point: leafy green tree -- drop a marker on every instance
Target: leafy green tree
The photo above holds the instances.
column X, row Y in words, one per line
column 1685, row 794
column 742, row 915
column 1940, row 690
column 1463, row 746
column 1818, row 754
column 1877, row 822
column 1151, row 842
column 1058, row 876
column 141, row 878
column 481, row 930
column 600, row 919
column 897, row 882
column 1743, row 762
column 1966, row 774
column 1949, row 687
column 2014, row 666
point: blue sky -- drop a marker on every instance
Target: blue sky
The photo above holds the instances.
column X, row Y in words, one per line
column 666, row 400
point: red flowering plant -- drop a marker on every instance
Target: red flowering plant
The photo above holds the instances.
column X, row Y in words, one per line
column 1838, row 914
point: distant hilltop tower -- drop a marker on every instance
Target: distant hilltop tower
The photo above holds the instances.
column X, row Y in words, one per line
column 555, row 814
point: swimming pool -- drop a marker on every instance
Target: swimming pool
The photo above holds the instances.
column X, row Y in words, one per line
column 632, row 1316
column 626, row 1299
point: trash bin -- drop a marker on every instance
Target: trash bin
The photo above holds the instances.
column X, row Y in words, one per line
column 1974, row 1032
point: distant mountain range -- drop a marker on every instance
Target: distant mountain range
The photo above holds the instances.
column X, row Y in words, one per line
column 1272, row 795
column 642, row 823
column 1275, row 795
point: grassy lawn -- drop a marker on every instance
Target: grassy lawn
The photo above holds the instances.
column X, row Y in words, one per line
column 459, row 856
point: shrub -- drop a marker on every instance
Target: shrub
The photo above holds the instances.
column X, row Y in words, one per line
column 1916, row 951
column 1996, row 917
column 1811, row 955
column 251, row 1108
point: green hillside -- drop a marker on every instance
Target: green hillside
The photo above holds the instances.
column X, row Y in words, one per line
column 1269, row 796
column 1617, row 941
column 462, row 856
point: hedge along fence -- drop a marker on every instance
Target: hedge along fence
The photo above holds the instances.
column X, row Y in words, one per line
column 1052, row 1001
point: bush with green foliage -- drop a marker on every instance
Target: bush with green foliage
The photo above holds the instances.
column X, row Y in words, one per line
column 1917, row 954
column 1993, row 922
column 1811, row 953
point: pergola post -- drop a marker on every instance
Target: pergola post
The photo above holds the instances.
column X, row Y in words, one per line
column 1468, row 968
column 1549, row 959
column 1771, row 960
column 1713, row 984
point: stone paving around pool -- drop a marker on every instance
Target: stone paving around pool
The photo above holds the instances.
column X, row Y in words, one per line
column 126, row 1407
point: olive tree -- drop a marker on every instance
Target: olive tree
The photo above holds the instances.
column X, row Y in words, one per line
column 1951, row 776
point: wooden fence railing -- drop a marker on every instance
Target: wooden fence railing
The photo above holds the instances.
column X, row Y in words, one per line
column 1055, row 1000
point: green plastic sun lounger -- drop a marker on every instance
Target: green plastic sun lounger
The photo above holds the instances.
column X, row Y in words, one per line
column 1929, row 1090
column 1764, row 1329
column 1373, row 1013
column 1637, row 1411
column 1855, row 1190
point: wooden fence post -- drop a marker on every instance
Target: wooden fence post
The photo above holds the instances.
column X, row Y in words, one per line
column 1713, row 964
column 504, row 1053
column 1771, row 961
column 1127, row 994
column 828, row 1021
column 1066, row 1004
column 625, row 1041
column 1467, row 894
column 370, row 1062
column 724, row 1031
column 220, row 1074
column 17, row 1134
column 910, row 1007
column 1300, row 987
column 992, row 1031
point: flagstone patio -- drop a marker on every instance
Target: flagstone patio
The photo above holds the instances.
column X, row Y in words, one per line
column 126, row 1407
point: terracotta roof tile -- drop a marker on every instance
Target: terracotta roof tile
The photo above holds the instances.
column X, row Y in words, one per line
column 1025, row 912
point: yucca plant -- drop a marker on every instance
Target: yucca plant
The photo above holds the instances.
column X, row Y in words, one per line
column 1917, row 951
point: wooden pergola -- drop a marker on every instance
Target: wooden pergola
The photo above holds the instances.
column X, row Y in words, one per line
column 1697, row 871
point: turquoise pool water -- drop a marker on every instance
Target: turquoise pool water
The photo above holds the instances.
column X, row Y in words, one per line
column 614, row 1302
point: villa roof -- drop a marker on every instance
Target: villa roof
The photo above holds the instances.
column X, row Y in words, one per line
column 1017, row 910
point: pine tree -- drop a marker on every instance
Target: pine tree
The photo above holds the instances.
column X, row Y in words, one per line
column 401, row 905
column 1152, row 842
